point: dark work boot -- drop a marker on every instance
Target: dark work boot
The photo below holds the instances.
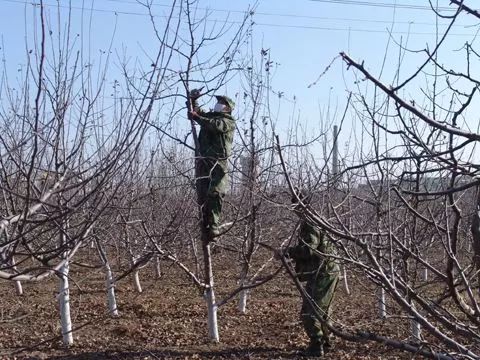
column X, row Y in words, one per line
column 314, row 349
column 327, row 344
column 327, row 347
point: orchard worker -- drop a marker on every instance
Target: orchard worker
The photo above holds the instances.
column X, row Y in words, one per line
column 215, row 141
column 320, row 272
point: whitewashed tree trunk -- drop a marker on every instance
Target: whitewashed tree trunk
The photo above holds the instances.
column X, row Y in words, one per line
column 112, row 301
column 18, row 288
column 212, row 307
column 64, row 291
column 64, row 298
column 17, row 283
column 345, row 281
column 416, row 329
column 109, row 280
column 212, row 316
column 242, row 302
column 136, row 281
column 158, row 268
column 382, row 305
column 425, row 274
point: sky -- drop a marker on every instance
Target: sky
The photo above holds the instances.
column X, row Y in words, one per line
column 303, row 38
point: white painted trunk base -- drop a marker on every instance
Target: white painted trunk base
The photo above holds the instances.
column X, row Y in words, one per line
column 18, row 288
column 345, row 281
column 416, row 330
column 64, row 299
column 382, row 305
column 112, row 301
column 136, row 281
column 158, row 268
column 212, row 316
column 425, row 274
column 242, row 302
column 17, row 283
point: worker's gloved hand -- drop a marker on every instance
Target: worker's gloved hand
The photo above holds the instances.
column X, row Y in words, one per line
column 192, row 115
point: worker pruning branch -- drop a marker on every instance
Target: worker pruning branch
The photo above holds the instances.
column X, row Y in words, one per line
column 215, row 146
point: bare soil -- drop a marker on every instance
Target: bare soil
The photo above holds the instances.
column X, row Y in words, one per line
column 168, row 320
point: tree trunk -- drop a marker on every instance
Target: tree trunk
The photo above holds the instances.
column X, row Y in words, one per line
column 242, row 303
column 210, row 294
column 345, row 281
column 64, row 299
column 136, row 281
column 212, row 316
column 416, row 330
column 158, row 268
column 112, row 302
column 17, row 283
column 425, row 274
column 382, row 305
column 18, row 288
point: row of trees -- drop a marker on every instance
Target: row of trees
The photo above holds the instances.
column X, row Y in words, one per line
column 83, row 171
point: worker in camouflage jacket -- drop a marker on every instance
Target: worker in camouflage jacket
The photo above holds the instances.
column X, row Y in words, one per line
column 215, row 146
column 321, row 275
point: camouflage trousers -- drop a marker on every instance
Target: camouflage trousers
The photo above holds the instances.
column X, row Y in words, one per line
column 321, row 289
column 212, row 182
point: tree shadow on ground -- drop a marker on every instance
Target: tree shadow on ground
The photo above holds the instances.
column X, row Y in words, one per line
column 234, row 353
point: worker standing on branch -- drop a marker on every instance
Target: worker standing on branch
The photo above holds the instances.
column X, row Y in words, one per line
column 321, row 272
column 215, row 146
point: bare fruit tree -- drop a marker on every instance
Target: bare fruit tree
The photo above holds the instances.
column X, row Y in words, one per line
column 63, row 157
column 406, row 200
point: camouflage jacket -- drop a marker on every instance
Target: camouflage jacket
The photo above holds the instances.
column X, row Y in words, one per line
column 305, row 254
column 216, row 133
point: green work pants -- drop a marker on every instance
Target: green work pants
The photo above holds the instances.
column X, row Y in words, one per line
column 212, row 182
column 320, row 287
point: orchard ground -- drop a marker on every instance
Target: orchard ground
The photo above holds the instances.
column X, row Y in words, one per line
column 168, row 319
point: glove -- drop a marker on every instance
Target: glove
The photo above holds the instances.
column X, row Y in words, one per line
column 192, row 115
